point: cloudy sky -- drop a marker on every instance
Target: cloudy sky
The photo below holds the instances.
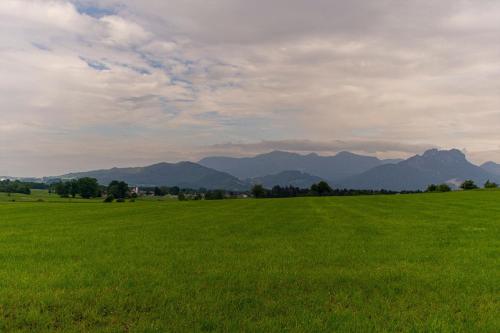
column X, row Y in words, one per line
column 91, row 84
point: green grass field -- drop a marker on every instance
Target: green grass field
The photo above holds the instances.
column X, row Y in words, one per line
column 406, row 263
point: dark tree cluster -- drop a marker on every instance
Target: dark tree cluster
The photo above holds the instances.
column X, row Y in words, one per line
column 16, row 186
column 162, row 191
column 215, row 195
column 490, row 185
column 37, row 186
column 204, row 194
column 118, row 190
column 88, row 188
column 258, row 191
column 433, row 188
column 85, row 187
column 184, row 194
column 320, row 189
column 468, row 185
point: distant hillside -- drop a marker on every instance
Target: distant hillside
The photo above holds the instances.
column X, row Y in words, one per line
column 287, row 178
column 419, row 171
column 183, row 174
column 344, row 170
column 331, row 168
column 492, row 168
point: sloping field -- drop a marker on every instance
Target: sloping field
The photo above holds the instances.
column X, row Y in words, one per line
column 427, row 262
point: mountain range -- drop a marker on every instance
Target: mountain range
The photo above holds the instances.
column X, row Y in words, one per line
column 332, row 168
column 286, row 178
column 344, row 170
column 433, row 167
column 183, row 174
column 492, row 168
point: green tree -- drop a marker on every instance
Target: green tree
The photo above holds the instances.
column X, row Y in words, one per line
column 174, row 190
column 16, row 186
column 118, row 189
column 321, row 188
column 88, row 187
column 258, row 191
column 468, row 185
column 444, row 188
column 489, row 184
column 63, row 189
column 73, row 187
column 215, row 195
column 432, row 188
column 160, row 191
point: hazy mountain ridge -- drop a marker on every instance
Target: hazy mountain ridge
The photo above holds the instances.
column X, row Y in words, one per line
column 433, row 167
column 417, row 172
column 491, row 167
column 182, row 174
column 331, row 168
column 286, row 178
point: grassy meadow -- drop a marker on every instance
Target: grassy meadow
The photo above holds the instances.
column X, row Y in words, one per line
column 405, row 263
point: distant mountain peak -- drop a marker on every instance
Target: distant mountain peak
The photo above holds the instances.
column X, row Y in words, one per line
column 187, row 163
column 489, row 163
column 287, row 178
column 432, row 167
column 491, row 167
column 430, row 152
column 331, row 168
column 436, row 152
column 159, row 164
column 183, row 174
column 277, row 153
column 345, row 153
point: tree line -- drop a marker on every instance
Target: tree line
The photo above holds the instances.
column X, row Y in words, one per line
column 324, row 189
column 190, row 194
column 466, row 185
column 319, row 189
column 16, row 186
column 88, row 188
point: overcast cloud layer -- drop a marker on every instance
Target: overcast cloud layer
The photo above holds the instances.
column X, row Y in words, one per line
column 91, row 84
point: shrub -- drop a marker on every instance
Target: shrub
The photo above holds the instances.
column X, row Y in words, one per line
column 432, row 188
column 109, row 198
column 16, row 186
column 489, row 184
column 88, row 187
column 215, row 195
column 468, row 185
column 258, row 191
column 322, row 188
column 118, row 189
column 444, row 188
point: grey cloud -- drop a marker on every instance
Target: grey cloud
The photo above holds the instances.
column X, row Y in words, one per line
column 384, row 76
column 230, row 21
